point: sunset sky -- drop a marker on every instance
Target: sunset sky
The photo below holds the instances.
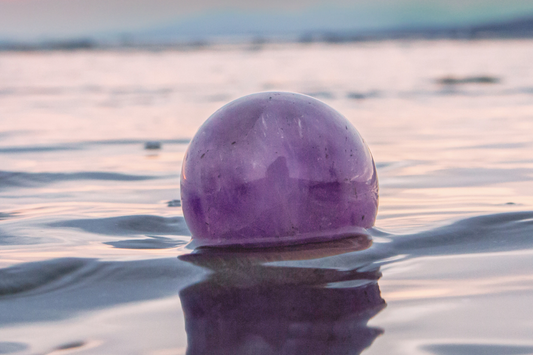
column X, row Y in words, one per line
column 45, row 19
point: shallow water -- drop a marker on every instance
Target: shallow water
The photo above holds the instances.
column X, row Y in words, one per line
column 91, row 227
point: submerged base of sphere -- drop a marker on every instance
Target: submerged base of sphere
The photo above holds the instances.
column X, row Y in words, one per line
column 277, row 168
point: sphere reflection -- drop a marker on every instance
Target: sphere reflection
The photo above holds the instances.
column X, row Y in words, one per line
column 248, row 307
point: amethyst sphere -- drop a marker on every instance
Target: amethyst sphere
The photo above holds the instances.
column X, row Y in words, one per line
column 277, row 168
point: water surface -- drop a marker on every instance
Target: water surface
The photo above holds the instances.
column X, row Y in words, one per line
column 93, row 255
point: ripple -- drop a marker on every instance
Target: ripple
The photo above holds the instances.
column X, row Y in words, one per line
column 11, row 347
column 62, row 288
column 482, row 234
column 4, row 215
column 488, row 233
column 460, row 177
column 26, row 277
column 71, row 345
column 6, row 239
column 37, row 149
column 478, row 349
column 81, row 145
column 129, row 225
column 22, row 179
column 149, row 243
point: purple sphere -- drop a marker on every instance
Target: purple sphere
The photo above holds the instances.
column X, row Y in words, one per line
column 277, row 168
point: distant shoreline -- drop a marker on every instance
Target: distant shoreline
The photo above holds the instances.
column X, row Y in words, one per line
column 254, row 42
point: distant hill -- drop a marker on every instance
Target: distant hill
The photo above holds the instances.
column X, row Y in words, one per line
column 515, row 28
column 241, row 28
column 312, row 27
column 521, row 27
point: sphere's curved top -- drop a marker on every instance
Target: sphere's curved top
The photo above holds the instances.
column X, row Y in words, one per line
column 276, row 168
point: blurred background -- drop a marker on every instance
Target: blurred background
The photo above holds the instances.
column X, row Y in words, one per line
column 95, row 23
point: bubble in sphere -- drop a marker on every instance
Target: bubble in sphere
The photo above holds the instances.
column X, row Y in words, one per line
column 277, row 168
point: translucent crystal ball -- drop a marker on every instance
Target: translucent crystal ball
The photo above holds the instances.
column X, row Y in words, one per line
column 277, row 168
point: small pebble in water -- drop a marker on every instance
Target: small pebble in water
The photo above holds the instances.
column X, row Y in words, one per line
column 277, row 168
column 152, row 145
column 174, row 203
